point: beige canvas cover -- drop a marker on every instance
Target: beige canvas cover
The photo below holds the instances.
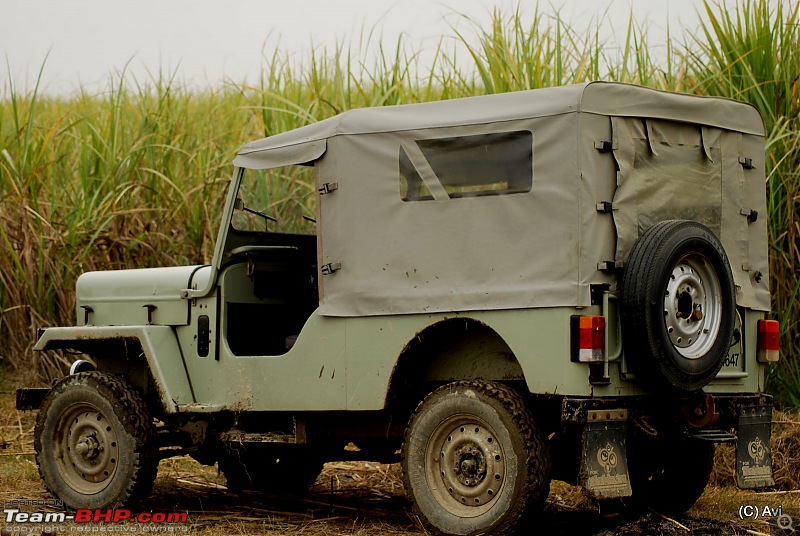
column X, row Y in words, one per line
column 420, row 222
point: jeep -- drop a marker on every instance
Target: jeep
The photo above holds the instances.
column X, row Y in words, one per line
column 567, row 283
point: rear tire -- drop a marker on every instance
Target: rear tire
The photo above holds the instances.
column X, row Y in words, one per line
column 669, row 474
column 474, row 461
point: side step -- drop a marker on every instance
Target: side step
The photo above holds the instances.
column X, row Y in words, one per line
column 715, row 435
column 281, row 434
column 238, row 436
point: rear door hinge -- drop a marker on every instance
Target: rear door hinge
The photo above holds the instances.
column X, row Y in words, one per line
column 328, row 187
column 331, row 267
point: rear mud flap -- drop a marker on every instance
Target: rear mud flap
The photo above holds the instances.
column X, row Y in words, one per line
column 753, row 457
column 604, row 460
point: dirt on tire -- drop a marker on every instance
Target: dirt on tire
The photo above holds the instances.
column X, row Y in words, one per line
column 360, row 498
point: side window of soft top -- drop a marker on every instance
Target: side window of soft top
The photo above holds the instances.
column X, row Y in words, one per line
column 466, row 166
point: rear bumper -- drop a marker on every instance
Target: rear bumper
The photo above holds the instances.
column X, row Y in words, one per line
column 606, row 426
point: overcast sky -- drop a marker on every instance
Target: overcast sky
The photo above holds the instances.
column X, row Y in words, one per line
column 207, row 41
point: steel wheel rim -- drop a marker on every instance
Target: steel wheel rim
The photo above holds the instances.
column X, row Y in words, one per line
column 693, row 306
column 86, row 448
column 465, row 466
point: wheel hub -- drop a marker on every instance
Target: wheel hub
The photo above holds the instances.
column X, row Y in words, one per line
column 471, row 465
column 692, row 307
column 87, row 450
column 88, row 446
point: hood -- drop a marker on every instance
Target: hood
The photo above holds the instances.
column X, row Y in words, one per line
column 135, row 297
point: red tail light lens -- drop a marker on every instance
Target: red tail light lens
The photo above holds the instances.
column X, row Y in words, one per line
column 768, row 341
column 588, row 335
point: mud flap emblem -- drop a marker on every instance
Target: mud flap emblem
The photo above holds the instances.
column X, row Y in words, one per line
column 604, row 465
column 607, row 458
column 753, row 458
column 757, row 451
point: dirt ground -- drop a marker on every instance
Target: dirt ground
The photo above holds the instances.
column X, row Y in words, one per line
column 361, row 499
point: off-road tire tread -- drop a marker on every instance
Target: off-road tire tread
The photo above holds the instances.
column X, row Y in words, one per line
column 135, row 418
column 637, row 275
column 537, row 486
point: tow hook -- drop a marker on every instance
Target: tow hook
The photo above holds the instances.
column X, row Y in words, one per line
column 700, row 413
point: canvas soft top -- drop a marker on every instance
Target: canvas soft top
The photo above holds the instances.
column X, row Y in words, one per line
column 307, row 143
column 527, row 171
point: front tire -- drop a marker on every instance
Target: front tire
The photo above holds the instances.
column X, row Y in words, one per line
column 474, row 461
column 95, row 442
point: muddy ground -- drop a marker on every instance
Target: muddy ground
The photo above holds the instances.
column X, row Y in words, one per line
column 364, row 498
column 361, row 499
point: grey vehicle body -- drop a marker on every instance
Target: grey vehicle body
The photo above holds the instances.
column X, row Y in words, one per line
column 457, row 242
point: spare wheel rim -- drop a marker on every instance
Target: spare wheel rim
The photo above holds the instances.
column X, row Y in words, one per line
column 693, row 306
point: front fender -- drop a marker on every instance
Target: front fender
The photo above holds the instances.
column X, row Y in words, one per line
column 159, row 345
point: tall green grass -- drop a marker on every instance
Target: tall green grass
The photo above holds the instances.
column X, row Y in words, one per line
column 135, row 176
column 752, row 53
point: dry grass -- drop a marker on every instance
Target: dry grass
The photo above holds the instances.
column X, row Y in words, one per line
column 785, row 456
column 364, row 498
column 19, row 476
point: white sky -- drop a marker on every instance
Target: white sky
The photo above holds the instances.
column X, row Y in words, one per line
column 208, row 41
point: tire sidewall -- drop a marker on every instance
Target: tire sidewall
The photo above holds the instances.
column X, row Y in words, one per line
column 647, row 337
column 62, row 398
column 462, row 401
column 711, row 361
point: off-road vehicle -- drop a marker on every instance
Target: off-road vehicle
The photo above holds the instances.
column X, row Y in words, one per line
column 497, row 291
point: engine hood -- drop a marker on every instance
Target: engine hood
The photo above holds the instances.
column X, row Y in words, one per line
column 136, row 297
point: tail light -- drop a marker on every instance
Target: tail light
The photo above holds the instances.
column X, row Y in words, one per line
column 768, row 345
column 588, row 335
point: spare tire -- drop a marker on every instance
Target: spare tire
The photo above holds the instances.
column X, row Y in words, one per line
column 678, row 305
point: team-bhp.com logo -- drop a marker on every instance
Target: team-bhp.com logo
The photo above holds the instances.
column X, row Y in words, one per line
column 120, row 515
column 86, row 515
